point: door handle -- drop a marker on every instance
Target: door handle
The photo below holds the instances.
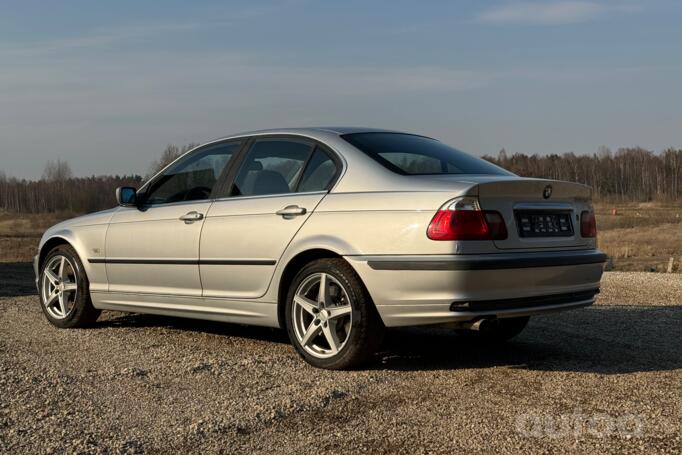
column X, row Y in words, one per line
column 291, row 211
column 191, row 217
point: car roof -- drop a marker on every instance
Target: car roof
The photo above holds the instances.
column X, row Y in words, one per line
column 314, row 130
column 360, row 172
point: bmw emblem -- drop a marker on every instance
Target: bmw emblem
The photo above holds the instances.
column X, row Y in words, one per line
column 547, row 192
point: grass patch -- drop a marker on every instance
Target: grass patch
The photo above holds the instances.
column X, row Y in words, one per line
column 20, row 233
column 641, row 236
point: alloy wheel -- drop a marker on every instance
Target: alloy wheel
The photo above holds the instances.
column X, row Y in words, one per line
column 322, row 315
column 59, row 287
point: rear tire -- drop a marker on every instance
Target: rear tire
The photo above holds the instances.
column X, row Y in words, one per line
column 65, row 290
column 501, row 330
column 338, row 328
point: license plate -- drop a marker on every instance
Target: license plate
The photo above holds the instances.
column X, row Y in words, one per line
column 536, row 224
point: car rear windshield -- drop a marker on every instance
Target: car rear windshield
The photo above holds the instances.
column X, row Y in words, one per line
column 408, row 154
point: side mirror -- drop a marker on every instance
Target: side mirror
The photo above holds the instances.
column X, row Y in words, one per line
column 126, row 196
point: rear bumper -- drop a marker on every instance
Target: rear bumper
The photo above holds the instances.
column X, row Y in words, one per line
column 419, row 290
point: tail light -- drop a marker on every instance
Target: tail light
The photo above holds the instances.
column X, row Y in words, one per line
column 463, row 219
column 588, row 224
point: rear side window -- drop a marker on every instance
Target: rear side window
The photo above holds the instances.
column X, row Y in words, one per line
column 319, row 173
column 272, row 166
column 408, row 154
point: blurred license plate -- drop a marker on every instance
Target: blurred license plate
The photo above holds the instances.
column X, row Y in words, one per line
column 536, row 224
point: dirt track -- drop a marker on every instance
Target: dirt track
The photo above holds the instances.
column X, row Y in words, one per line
column 606, row 378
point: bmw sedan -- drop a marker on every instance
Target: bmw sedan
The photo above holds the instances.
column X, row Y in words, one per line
column 333, row 234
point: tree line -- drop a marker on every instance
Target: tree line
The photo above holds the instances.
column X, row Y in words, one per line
column 58, row 191
column 74, row 194
column 629, row 174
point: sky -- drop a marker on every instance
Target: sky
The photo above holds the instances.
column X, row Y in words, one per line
column 107, row 85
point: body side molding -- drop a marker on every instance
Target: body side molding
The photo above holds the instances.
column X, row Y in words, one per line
column 182, row 261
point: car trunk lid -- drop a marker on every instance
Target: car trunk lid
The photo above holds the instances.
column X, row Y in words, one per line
column 538, row 213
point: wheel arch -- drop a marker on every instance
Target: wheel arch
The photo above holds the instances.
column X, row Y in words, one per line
column 82, row 312
column 50, row 244
column 295, row 264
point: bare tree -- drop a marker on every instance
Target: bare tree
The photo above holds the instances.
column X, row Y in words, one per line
column 604, row 152
column 169, row 154
column 57, row 171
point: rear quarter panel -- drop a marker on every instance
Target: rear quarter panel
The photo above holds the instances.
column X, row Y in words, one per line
column 374, row 223
column 383, row 223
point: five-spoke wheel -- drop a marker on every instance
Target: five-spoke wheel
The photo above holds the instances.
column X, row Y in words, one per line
column 59, row 286
column 322, row 315
column 330, row 318
column 64, row 289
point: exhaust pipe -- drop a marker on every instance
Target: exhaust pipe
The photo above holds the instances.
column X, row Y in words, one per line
column 481, row 325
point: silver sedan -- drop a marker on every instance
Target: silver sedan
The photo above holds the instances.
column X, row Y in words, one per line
column 333, row 234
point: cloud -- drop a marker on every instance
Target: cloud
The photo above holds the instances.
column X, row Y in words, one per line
column 553, row 12
column 111, row 36
column 98, row 39
column 209, row 79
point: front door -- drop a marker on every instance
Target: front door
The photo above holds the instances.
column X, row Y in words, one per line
column 279, row 183
column 155, row 249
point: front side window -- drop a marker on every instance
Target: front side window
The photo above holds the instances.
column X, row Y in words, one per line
column 193, row 177
column 272, row 166
column 408, row 154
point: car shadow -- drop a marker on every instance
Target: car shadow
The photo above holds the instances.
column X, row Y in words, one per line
column 608, row 339
column 140, row 321
column 17, row 279
column 604, row 339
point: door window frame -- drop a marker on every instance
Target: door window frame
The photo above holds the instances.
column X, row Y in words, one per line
column 225, row 188
column 142, row 193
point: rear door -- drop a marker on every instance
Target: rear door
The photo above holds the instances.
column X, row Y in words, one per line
column 539, row 214
column 276, row 187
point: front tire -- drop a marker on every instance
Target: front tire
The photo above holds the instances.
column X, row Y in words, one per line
column 330, row 318
column 65, row 290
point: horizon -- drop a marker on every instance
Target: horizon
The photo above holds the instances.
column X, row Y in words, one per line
column 107, row 87
column 58, row 164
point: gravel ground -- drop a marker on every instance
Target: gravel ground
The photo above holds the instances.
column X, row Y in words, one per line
column 602, row 379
